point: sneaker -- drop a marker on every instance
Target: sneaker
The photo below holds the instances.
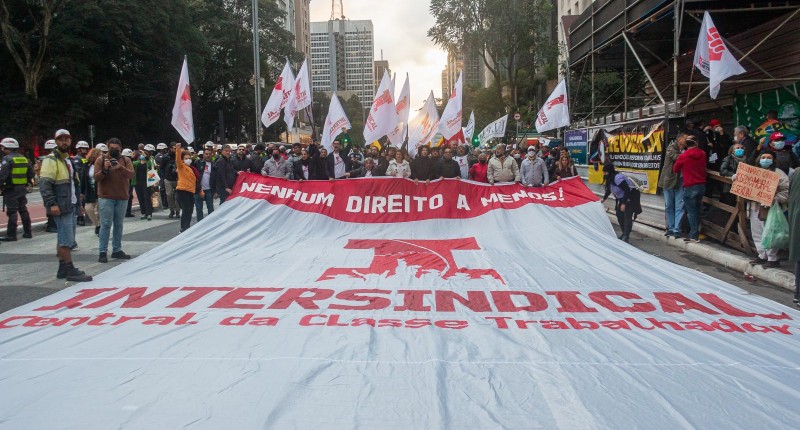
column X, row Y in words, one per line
column 62, row 270
column 129, row 215
column 144, row 217
column 103, row 258
column 171, row 214
column 120, row 255
column 772, row 264
column 27, row 236
column 668, row 234
column 8, row 239
column 149, row 217
column 758, row 260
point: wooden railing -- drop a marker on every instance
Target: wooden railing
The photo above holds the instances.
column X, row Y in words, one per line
column 739, row 239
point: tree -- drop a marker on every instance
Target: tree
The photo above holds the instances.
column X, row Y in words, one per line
column 510, row 35
column 26, row 32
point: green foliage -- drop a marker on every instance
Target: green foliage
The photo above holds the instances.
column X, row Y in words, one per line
column 116, row 64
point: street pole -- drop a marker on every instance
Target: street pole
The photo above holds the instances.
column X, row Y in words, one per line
column 257, row 73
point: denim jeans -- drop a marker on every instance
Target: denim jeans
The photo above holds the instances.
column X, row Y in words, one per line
column 673, row 208
column 111, row 212
column 65, row 223
column 692, row 200
column 198, row 203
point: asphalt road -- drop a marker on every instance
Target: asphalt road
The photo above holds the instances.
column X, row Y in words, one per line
column 28, row 267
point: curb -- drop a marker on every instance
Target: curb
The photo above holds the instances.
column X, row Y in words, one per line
column 776, row 277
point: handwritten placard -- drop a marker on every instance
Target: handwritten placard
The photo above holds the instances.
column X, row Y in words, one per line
column 756, row 184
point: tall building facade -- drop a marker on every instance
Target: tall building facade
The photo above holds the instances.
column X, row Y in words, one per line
column 302, row 27
column 342, row 54
column 473, row 68
column 288, row 6
column 566, row 8
column 381, row 66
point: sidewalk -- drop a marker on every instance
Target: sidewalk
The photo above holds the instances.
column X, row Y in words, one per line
column 651, row 223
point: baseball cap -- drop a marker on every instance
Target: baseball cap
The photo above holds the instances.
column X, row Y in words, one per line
column 62, row 132
column 714, row 122
column 777, row 136
column 209, row 144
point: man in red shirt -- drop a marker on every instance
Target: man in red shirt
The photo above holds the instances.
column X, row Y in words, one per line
column 691, row 164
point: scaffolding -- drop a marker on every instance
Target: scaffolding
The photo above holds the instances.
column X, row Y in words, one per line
column 658, row 38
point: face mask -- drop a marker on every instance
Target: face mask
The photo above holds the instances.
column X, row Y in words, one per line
column 188, row 161
column 113, row 153
column 779, row 144
column 516, row 156
column 483, row 161
column 739, row 152
column 765, row 163
column 142, row 157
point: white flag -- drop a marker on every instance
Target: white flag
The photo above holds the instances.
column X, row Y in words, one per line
column 713, row 58
column 469, row 130
column 279, row 97
column 335, row 123
column 450, row 124
column 423, row 127
column 496, row 129
column 555, row 112
column 382, row 115
column 403, row 108
column 182, row 110
column 300, row 97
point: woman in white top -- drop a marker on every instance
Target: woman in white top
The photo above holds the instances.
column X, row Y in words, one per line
column 399, row 168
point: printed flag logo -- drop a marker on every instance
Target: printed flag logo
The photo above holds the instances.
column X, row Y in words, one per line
column 425, row 256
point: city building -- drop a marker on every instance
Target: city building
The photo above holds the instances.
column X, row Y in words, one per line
column 381, row 66
column 342, row 53
column 289, row 23
column 473, row 67
column 302, row 25
column 566, row 12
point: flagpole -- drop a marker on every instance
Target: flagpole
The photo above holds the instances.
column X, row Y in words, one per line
column 257, row 72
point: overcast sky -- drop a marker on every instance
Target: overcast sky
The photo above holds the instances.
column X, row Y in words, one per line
column 400, row 30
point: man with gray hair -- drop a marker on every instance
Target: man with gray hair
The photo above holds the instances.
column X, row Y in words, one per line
column 741, row 135
column 502, row 168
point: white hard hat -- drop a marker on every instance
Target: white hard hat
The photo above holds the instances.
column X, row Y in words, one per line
column 219, row 147
column 200, row 152
column 10, row 143
column 161, row 146
column 191, row 150
column 62, row 132
column 82, row 144
column 149, row 147
column 243, row 145
column 209, row 144
column 102, row 147
column 50, row 144
column 127, row 152
column 232, row 146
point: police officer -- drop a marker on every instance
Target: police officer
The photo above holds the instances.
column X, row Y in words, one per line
column 16, row 173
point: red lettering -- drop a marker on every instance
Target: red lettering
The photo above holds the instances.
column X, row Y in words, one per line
column 297, row 295
column 196, row 294
column 373, row 302
column 136, row 297
column 500, row 321
column 229, row 300
column 602, row 299
column 76, row 301
column 677, row 303
column 457, row 325
column 476, row 301
column 580, row 325
column 569, row 302
column 733, row 311
column 417, row 323
column 100, row 319
column 39, row 322
column 390, row 323
column 504, row 302
column 413, row 300
column 306, row 321
column 333, row 321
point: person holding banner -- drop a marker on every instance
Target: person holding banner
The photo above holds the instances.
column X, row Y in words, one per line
column 502, row 168
column 758, row 213
column 794, row 232
column 478, row 170
column 533, row 172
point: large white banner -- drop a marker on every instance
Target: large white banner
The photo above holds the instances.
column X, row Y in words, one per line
column 713, row 58
column 496, row 129
column 385, row 304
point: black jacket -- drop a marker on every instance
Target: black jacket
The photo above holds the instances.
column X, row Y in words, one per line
column 256, row 163
column 423, row 168
column 241, row 164
column 201, row 167
column 448, row 169
column 348, row 166
column 170, row 169
column 382, row 167
column 224, row 174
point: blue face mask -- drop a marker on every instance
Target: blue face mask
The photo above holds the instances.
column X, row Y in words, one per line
column 142, row 157
column 765, row 163
column 779, row 145
column 739, row 152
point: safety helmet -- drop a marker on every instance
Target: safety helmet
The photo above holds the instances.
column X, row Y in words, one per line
column 62, row 132
column 161, row 146
column 127, row 152
column 209, row 144
column 200, row 152
column 82, row 144
column 191, row 150
column 149, row 147
column 776, row 136
column 50, row 144
column 10, row 143
column 219, row 147
column 102, row 147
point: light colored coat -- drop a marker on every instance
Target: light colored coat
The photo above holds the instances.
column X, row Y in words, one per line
column 502, row 171
column 276, row 168
column 399, row 170
column 534, row 172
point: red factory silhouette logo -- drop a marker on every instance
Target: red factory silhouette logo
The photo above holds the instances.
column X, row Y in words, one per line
column 425, row 256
